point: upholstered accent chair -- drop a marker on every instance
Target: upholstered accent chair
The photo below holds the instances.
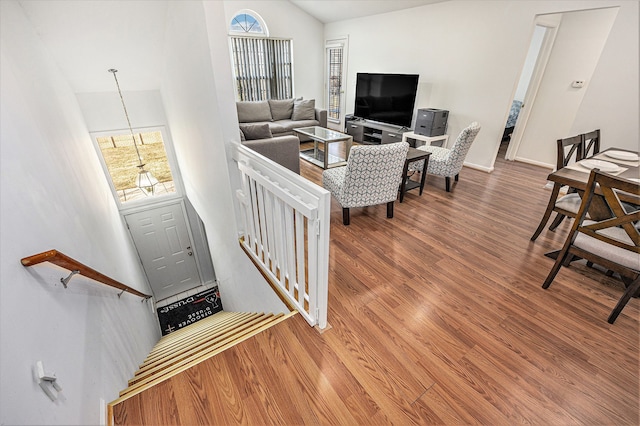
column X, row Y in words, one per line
column 372, row 176
column 448, row 162
column 612, row 240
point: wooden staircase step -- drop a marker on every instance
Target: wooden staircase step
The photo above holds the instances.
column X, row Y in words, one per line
column 193, row 356
column 196, row 346
column 217, row 318
column 197, row 335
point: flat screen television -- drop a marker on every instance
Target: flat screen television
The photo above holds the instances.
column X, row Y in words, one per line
column 386, row 98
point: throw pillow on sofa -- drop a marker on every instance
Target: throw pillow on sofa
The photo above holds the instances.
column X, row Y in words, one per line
column 304, row 110
column 252, row 111
column 256, row 131
column 281, row 109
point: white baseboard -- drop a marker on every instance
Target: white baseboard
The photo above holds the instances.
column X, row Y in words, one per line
column 535, row 163
column 478, row 167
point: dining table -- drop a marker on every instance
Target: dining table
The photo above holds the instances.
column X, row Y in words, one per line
column 615, row 161
column 618, row 162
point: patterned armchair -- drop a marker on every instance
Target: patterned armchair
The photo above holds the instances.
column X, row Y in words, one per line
column 448, row 162
column 372, row 176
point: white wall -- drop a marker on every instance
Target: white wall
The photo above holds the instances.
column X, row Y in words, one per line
column 611, row 101
column 469, row 55
column 202, row 122
column 285, row 20
column 53, row 195
column 103, row 111
column 576, row 51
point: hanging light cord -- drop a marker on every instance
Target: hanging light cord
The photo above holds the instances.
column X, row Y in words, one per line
column 135, row 145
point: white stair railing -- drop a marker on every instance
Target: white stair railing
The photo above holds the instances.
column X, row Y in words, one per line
column 286, row 231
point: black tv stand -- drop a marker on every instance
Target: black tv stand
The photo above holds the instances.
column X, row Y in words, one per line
column 372, row 133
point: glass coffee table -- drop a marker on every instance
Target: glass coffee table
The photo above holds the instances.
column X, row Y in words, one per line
column 322, row 157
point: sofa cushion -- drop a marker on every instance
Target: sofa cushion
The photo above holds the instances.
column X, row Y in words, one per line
column 304, row 110
column 242, row 136
column 287, row 126
column 252, row 111
column 281, row 109
column 277, row 128
column 256, row 131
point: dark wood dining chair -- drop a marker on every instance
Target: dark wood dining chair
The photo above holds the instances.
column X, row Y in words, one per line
column 568, row 150
column 591, row 143
column 590, row 147
column 613, row 242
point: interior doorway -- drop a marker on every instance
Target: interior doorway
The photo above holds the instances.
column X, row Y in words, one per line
column 566, row 61
column 523, row 84
column 538, row 54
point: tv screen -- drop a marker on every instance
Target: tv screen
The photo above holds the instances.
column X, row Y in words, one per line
column 386, row 98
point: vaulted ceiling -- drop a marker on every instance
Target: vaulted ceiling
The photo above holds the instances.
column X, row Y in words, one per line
column 87, row 37
column 327, row 11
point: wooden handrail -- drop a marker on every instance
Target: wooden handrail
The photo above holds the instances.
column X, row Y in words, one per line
column 55, row 257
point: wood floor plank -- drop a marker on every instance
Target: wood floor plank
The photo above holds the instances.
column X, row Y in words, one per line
column 437, row 407
column 348, row 389
column 437, row 317
column 226, row 398
column 192, row 398
column 317, row 399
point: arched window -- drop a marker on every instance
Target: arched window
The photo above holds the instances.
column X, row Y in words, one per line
column 263, row 66
column 247, row 22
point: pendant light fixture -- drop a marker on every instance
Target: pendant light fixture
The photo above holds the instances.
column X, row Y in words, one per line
column 144, row 180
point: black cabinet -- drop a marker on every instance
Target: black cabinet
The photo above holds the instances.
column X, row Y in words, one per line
column 366, row 132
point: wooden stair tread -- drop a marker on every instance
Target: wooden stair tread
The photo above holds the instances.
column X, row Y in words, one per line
column 198, row 336
column 212, row 321
column 252, row 324
column 197, row 346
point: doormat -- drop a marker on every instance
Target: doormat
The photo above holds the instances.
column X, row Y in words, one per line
column 191, row 309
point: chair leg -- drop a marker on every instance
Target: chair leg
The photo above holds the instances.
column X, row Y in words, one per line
column 627, row 283
column 447, row 183
column 547, row 213
column 390, row 209
column 556, row 221
column 562, row 256
column 635, row 286
column 457, row 177
column 345, row 216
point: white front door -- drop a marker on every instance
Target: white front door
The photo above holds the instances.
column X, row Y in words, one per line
column 165, row 248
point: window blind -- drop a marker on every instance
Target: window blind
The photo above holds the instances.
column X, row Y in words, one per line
column 262, row 67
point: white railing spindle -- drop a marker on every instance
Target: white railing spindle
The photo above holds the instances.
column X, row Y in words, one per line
column 286, row 231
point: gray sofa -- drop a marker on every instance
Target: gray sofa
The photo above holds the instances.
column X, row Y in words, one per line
column 281, row 116
column 284, row 150
column 267, row 127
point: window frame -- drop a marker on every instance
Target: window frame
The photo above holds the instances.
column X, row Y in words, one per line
column 254, row 15
column 343, row 43
column 171, row 159
column 264, row 35
column 329, row 47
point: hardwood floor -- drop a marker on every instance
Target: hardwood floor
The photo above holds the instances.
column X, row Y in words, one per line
column 438, row 317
